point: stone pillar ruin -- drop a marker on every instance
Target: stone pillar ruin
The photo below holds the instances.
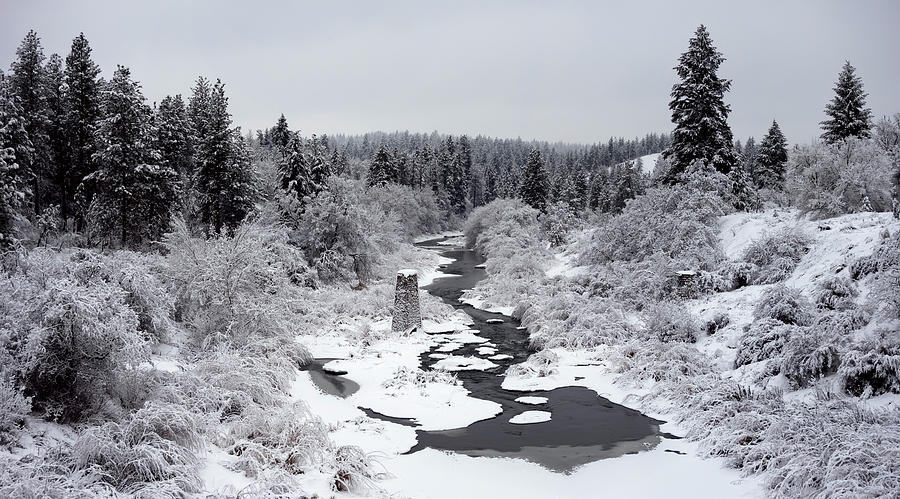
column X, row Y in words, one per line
column 407, row 315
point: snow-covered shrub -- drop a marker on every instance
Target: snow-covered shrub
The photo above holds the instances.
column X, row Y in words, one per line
column 416, row 209
column 13, row 409
column 560, row 317
column 286, row 437
column 774, row 257
column 418, row 378
column 872, row 368
column 68, row 330
column 836, row 293
column 50, row 474
column 669, row 321
column 354, row 470
column 155, row 444
column 235, row 288
column 653, row 360
column 341, row 236
column 718, row 322
column 557, row 223
column 539, row 364
column 678, row 222
column 765, row 339
column 737, row 274
column 502, row 221
column 809, row 356
column 784, row 304
column 848, row 177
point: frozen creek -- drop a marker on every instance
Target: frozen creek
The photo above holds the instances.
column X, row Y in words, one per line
column 583, row 426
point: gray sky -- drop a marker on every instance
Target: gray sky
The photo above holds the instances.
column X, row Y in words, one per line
column 571, row 71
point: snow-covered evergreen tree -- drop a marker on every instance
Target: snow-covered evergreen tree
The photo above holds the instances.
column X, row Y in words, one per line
column 223, row 175
column 82, row 104
column 319, row 169
column 134, row 192
column 746, row 197
column 14, row 180
column 535, row 184
column 699, row 112
column 281, row 135
column 173, row 136
column 578, row 201
column 380, row 169
column 769, row 164
column 28, row 83
column 847, row 113
column 56, row 131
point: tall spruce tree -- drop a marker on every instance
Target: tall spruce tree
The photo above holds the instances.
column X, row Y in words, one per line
column 14, row 180
column 82, row 105
column 535, row 184
column 174, row 138
column 56, row 131
column 847, row 113
column 380, row 169
column 223, row 175
column 281, row 135
column 28, row 83
column 768, row 171
column 134, row 192
column 699, row 112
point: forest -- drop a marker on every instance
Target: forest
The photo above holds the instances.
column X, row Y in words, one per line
column 167, row 278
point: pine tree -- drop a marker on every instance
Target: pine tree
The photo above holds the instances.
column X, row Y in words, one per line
column 319, row 170
column 174, row 139
column 746, row 197
column 535, row 189
column 82, row 104
column 380, row 169
column 464, row 151
column 699, row 111
column 14, row 144
column 847, row 111
column 27, row 81
column 223, row 175
column 768, row 167
column 56, row 131
column 579, row 198
column 281, row 135
column 625, row 183
column 134, row 193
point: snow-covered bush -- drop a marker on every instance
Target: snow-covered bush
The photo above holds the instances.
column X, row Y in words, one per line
column 652, row 360
column 354, row 470
column 235, row 288
column 774, row 257
column 765, row 339
column 784, row 304
column 286, row 437
column 416, row 209
column 557, row 223
column 873, row 367
column 50, row 474
column 505, row 225
column 155, row 444
column 560, row 317
column 13, row 409
column 69, row 331
column 669, row 321
column 678, row 222
column 848, row 177
column 342, row 237
column 809, row 356
column 418, row 378
column 836, row 293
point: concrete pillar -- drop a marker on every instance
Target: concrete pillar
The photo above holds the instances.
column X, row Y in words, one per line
column 407, row 315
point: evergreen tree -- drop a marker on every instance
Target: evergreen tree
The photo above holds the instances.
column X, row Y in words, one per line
column 579, row 198
column 223, row 178
column 625, row 184
column 319, row 170
column 847, row 113
column 380, row 169
column 464, row 151
column 746, row 197
column 768, row 171
column 281, row 135
column 56, row 131
column 14, row 180
column 296, row 170
column 174, row 139
column 27, row 82
column 82, row 105
column 699, row 111
column 535, row 189
column 134, row 193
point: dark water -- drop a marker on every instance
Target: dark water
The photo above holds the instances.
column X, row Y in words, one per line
column 331, row 384
column 584, row 426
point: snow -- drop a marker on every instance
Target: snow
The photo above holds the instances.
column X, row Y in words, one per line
column 481, row 304
column 486, row 350
column 407, row 272
column 464, row 363
column 500, row 356
column 532, row 400
column 530, row 417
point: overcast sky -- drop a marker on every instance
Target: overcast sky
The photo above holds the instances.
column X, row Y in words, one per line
column 570, row 71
